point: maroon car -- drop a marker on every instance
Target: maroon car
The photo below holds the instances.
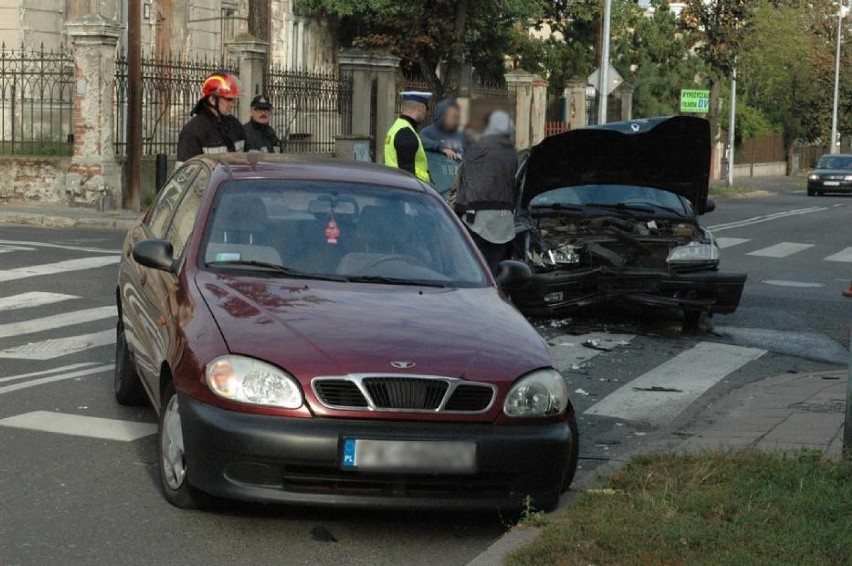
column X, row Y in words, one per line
column 324, row 332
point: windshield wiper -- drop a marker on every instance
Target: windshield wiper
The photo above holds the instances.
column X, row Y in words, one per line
column 393, row 281
column 648, row 207
column 622, row 206
column 274, row 267
column 558, row 206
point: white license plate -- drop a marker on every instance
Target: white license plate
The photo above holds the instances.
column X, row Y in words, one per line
column 425, row 456
column 831, row 183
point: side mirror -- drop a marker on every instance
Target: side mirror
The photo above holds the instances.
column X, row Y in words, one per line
column 710, row 206
column 513, row 275
column 157, row 254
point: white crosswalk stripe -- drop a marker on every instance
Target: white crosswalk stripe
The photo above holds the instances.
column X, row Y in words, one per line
column 730, row 242
column 661, row 394
column 57, row 347
column 844, row 256
column 782, row 250
column 58, row 267
column 56, row 321
column 32, row 299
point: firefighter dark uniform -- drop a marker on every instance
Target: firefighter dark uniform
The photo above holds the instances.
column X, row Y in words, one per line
column 209, row 132
column 261, row 137
column 403, row 148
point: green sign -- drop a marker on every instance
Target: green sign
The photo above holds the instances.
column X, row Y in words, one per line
column 697, row 101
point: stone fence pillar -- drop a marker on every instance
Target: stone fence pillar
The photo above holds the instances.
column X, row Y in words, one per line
column 530, row 93
column 365, row 68
column 251, row 59
column 520, row 84
column 93, row 176
column 575, row 103
column 538, row 110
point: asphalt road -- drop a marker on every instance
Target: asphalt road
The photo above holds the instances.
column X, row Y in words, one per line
column 78, row 498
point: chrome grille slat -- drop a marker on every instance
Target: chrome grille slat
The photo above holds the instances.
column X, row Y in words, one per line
column 403, row 393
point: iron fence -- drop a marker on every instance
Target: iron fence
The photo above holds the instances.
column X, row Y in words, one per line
column 170, row 89
column 36, row 89
column 309, row 108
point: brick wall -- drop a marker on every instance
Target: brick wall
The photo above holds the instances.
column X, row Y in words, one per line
column 27, row 179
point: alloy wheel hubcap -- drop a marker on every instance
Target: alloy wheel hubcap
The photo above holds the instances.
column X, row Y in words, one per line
column 172, row 450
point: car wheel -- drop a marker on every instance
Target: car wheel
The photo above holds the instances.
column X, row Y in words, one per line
column 811, row 192
column 128, row 386
column 691, row 320
column 820, row 193
column 574, row 457
column 171, row 456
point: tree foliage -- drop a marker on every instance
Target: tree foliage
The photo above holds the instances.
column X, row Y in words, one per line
column 430, row 34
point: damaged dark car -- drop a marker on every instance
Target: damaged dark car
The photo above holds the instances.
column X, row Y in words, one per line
column 610, row 214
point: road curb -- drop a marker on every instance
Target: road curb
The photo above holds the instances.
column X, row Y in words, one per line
column 56, row 221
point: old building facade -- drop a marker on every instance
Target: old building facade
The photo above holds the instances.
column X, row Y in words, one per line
column 187, row 29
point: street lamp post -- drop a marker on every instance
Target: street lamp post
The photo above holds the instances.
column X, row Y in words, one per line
column 835, row 146
column 603, row 73
column 732, row 125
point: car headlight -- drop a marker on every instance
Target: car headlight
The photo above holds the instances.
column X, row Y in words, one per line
column 694, row 252
column 564, row 255
column 847, row 178
column 246, row 380
column 542, row 393
column 813, row 177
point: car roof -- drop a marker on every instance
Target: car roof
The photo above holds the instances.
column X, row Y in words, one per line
column 243, row 166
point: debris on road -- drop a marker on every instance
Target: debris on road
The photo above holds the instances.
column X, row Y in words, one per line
column 658, row 389
column 582, row 392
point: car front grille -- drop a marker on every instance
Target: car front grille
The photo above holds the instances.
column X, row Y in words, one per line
column 403, row 394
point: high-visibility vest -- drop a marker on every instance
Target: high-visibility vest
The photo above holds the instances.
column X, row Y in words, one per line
column 421, row 163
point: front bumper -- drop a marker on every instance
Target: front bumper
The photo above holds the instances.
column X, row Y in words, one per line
column 568, row 290
column 821, row 186
column 272, row 459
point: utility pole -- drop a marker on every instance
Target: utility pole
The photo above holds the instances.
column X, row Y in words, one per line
column 133, row 135
column 603, row 70
column 835, row 147
column 732, row 125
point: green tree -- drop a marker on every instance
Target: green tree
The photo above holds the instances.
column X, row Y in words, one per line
column 428, row 35
column 790, row 82
column 716, row 29
column 655, row 58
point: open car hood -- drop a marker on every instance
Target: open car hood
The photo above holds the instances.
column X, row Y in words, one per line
column 672, row 154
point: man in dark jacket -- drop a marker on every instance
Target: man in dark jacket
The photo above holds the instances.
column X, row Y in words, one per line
column 486, row 194
column 212, row 128
column 260, row 136
column 444, row 135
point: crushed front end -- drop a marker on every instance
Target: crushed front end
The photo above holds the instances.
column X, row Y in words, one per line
column 580, row 260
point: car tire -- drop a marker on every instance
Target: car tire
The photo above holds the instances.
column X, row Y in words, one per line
column 811, row 192
column 691, row 320
column 126, row 381
column 574, row 456
column 820, row 193
column 171, row 458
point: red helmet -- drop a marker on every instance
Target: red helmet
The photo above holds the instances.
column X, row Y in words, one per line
column 225, row 85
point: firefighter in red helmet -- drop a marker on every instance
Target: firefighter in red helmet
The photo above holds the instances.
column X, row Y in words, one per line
column 212, row 128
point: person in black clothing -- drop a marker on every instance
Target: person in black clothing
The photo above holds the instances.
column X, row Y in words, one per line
column 212, row 128
column 260, row 136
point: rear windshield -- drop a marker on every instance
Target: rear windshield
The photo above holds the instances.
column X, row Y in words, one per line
column 835, row 162
column 338, row 230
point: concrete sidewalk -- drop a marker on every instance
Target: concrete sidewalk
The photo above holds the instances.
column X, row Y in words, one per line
column 53, row 216
column 782, row 413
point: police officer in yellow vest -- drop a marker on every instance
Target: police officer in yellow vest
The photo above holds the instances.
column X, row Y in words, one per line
column 403, row 148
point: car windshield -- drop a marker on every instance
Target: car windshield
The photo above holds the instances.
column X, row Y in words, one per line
column 835, row 162
column 339, row 231
column 615, row 196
